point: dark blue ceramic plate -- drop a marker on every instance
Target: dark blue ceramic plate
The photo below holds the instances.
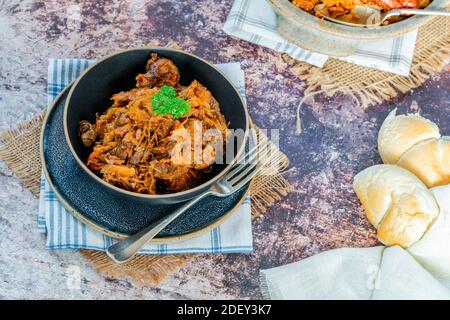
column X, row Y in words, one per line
column 89, row 202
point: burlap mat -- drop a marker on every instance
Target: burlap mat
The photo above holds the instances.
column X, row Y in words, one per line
column 369, row 86
column 19, row 148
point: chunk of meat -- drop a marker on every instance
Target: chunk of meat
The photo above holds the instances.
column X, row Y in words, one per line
column 183, row 182
column 96, row 159
column 121, row 152
column 87, row 133
column 160, row 71
column 175, row 177
column 138, row 156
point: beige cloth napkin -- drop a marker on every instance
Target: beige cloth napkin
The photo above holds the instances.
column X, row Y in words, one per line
column 420, row 272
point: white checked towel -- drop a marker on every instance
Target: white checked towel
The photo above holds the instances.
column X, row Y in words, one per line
column 256, row 21
column 65, row 232
column 421, row 271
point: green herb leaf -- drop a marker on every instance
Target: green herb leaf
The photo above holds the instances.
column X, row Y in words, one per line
column 167, row 102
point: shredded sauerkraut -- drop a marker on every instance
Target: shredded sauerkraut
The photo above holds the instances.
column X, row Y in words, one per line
column 138, row 150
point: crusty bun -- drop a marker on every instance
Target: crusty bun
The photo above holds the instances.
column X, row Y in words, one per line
column 400, row 133
column 430, row 161
column 396, row 202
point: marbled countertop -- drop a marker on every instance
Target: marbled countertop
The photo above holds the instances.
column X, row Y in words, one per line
column 338, row 141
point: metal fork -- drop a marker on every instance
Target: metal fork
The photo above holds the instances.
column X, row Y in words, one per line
column 239, row 175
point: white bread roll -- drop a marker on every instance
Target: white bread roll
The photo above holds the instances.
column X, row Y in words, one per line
column 430, row 161
column 400, row 133
column 396, row 202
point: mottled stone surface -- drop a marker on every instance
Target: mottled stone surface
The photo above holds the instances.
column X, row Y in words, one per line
column 338, row 141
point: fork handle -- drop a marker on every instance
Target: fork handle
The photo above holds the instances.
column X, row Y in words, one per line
column 125, row 249
column 421, row 12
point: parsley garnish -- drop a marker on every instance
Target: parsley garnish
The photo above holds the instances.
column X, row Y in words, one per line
column 167, row 102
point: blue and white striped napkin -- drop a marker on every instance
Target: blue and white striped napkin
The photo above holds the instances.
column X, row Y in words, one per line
column 256, row 21
column 65, row 232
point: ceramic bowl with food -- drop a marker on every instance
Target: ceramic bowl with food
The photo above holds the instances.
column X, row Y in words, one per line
column 314, row 33
column 155, row 124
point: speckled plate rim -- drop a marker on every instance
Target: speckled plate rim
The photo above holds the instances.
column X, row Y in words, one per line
column 94, row 225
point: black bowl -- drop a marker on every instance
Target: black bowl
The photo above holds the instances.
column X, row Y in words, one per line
column 92, row 92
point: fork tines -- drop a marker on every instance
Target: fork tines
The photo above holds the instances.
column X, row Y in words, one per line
column 253, row 161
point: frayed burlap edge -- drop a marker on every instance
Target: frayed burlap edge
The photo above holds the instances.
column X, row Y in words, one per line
column 369, row 86
column 142, row 269
column 270, row 185
column 19, row 148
